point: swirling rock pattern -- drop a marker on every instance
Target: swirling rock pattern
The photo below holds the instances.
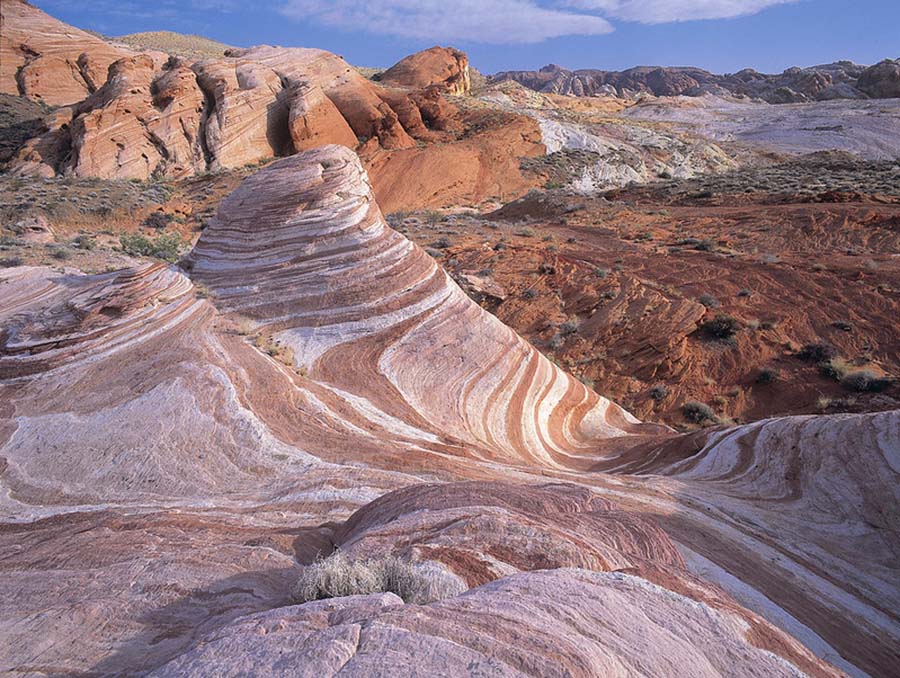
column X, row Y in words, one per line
column 360, row 307
column 170, row 454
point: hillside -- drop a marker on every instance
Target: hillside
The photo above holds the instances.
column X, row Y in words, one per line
column 180, row 44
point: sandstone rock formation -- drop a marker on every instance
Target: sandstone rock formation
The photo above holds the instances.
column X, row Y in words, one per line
column 442, row 67
column 153, row 116
column 171, row 452
column 43, row 58
column 839, row 80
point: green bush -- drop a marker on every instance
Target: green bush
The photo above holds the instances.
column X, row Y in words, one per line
column 166, row 247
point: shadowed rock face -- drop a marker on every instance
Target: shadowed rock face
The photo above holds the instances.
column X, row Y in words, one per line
column 840, row 80
column 167, row 463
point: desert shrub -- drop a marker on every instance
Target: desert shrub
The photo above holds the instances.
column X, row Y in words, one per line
column 569, row 327
column 526, row 232
column 721, row 327
column 11, row 262
column 817, row 352
column 166, row 247
column 745, row 293
column 708, row 300
column 698, row 413
column 442, row 243
column 158, row 220
column 705, row 246
column 547, row 269
column 833, row 369
column 865, row 381
column 767, row 376
column 60, row 253
column 85, row 242
column 556, row 341
column 338, row 576
column 437, row 254
column 601, row 272
column 500, row 246
column 659, row 392
column 530, row 293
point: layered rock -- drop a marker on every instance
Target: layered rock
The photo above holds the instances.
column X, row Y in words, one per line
column 360, row 284
column 562, row 623
column 46, row 59
column 167, row 464
column 840, row 80
column 442, row 67
column 159, row 117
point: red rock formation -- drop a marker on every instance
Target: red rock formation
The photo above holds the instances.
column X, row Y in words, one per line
column 46, row 59
column 442, row 67
column 175, row 118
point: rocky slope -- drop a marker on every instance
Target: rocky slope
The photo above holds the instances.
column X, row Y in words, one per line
column 175, row 442
column 142, row 115
column 839, row 80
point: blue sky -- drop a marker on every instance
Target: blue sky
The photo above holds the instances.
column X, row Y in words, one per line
column 720, row 35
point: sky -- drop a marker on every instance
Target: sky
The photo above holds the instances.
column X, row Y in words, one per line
column 723, row 36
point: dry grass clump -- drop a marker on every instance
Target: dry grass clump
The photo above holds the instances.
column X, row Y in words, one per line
column 339, row 575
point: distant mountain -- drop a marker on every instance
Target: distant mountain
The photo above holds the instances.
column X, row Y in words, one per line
column 839, row 80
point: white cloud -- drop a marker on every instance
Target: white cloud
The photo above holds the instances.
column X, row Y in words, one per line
column 491, row 21
column 666, row 11
column 508, row 21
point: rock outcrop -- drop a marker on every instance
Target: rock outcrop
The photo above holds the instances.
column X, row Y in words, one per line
column 881, row 81
column 840, row 80
column 442, row 67
column 142, row 115
column 175, row 444
column 46, row 59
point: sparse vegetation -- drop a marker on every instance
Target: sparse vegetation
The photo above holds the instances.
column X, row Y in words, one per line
column 817, row 352
column 698, row 413
column 708, row 300
column 569, row 327
column 659, row 392
column 865, row 381
column 722, row 327
column 166, row 247
column 767, row 375
column 339, row 575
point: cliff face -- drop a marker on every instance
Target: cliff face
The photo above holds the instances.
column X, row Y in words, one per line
column 840, row 80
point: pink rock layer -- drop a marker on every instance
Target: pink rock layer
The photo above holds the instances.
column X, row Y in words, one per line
column 169, row 459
